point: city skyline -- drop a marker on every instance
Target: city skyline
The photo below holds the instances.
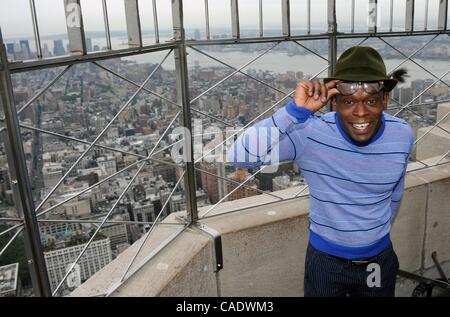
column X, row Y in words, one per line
column 220, row 15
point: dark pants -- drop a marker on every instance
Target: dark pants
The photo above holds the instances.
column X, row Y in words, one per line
column 328, row 276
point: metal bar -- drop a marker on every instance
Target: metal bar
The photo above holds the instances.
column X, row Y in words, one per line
column 11, row 229
column 425, row 90
column 147, row 234
column 352, row 12
column 150, row 256
column 104, row 180
column 442, row 157
column 442, row 15
column 429, row 72
column 75, row 28
column 237, row 183
column 97, row 230
column 286, row 199
column 18, row 232
column 208, row 32
column 241, row 72
column 235, row 30
column 133, row 23
column 286, row 18
column 332, row 41
column 160, row 96
column 135, row 84
column 301, row 191
column 253, row 120
column 43, row 89
column 217, row 245
column 308, row 17
column 414, row 53
column 261, row 24
column 426, row 16
column 20, row 181
column 434, row 126
column 311, row 51
column 155, row 21
column 438, row 266
column 106, row 22
column 233, row 73
column 331, row 16
column 391, row 15
column 88, row 188
column 109, row 221
column 409, row 17
column 443, row 285
column 414, row 112
column 77, row 59
column 239, row 186
column 183, row 99
column 372, row 16
column 79, row 140
column 101, row 134
column 113, row 207
column 37, row 38
column 24, row 66
column 11, row 219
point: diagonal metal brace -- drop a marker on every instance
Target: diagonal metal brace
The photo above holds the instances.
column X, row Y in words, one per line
column 217, row 242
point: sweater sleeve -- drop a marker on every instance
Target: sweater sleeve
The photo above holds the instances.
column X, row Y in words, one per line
column 399, row 188
column 269, row 141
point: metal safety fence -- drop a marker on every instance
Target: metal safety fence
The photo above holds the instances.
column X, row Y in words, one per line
column 34, row 210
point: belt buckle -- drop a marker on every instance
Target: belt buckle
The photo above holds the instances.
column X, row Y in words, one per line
column 360, row 262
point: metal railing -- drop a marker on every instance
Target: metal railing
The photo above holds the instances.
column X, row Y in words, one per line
column 32, row 212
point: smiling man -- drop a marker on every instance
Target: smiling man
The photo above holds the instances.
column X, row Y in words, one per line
column 354, row 160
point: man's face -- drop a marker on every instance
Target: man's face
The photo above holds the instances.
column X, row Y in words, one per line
column 360, row 113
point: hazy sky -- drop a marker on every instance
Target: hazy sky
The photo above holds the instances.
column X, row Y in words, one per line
column 15, row 17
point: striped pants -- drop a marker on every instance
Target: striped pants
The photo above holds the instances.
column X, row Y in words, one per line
column 328, row 276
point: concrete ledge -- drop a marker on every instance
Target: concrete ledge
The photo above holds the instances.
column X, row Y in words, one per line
column 264, row 246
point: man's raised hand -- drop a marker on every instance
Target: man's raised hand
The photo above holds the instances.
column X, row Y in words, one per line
column 313, row 95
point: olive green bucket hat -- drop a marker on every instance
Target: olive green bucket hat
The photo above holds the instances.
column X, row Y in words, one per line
column 365, row 64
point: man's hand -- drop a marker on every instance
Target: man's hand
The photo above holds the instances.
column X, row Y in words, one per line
column 313, row 95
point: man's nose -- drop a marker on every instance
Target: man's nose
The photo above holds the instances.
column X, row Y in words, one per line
column 360, row 110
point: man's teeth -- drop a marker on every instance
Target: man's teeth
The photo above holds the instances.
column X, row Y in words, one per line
column 361, row 126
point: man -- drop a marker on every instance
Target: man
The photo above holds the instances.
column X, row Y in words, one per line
column 354, row 161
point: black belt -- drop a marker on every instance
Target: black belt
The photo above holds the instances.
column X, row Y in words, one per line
column 357, row 262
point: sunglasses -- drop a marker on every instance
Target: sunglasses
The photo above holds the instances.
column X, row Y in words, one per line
column 347, row 89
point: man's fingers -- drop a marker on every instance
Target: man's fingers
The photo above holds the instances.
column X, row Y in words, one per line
column 332, row 92
column 317, row 90
column 332, row 83
column 324, row 93
column 307, row 86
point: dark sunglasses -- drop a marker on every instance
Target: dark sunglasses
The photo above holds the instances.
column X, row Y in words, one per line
column 347, row 89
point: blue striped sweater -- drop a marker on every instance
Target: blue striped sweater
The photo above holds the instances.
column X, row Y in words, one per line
column 355, row 189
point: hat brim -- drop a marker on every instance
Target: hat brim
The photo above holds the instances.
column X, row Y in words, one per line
column 389, row 83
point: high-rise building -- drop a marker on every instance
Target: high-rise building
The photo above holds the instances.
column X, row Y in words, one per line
column 59, row 261
column 240, row 176
column 46, row 51
column 10, row 50
column 25, row 47
column 58, row 48
column 197, row 34
column 9, row 281
column 213, row 185
column 88, row 45
column 116, row 232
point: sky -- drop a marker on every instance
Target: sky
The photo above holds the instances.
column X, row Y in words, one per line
column 15, row 20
